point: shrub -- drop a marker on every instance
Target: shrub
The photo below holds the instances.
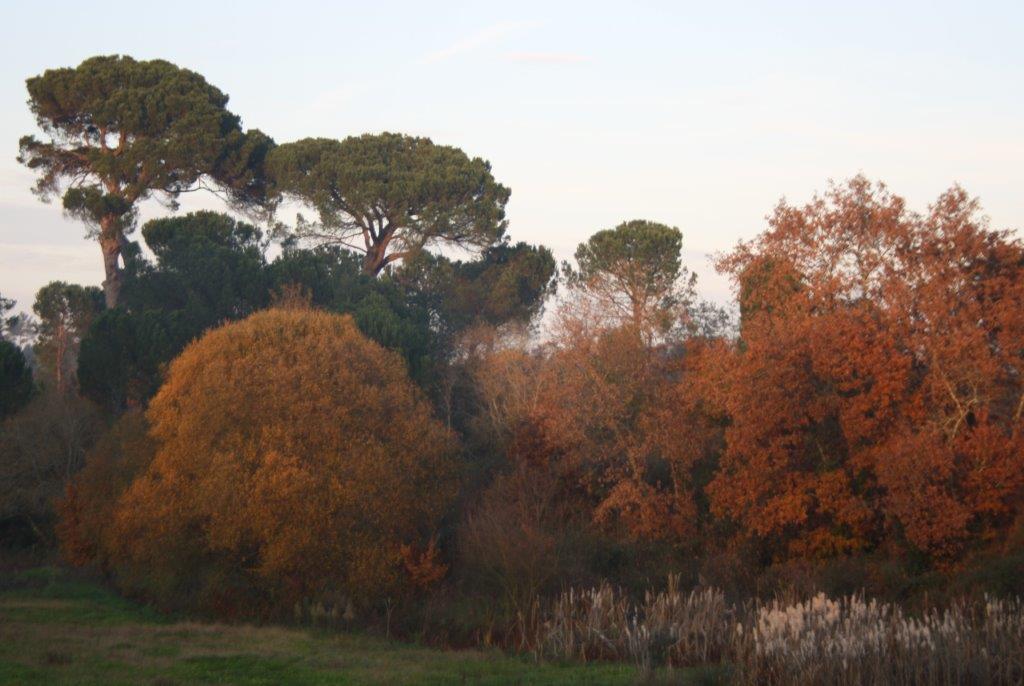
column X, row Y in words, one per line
column 295, row 461
column 509, row 543
column 42, row 447
column 87, row 508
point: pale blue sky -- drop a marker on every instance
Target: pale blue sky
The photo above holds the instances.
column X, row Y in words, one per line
column 699, row 115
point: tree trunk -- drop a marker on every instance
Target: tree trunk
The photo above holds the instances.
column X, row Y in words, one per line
column 111, row 241
column 373, row 261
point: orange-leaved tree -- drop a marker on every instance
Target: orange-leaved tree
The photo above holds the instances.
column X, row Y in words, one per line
column 296, row 462
column 611, row 365
column 876, row 388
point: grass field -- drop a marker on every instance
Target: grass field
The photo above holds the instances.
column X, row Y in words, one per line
column 57, row 630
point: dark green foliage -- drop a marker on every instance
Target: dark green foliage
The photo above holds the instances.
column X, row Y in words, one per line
column 391, row 195
column 118, row 131
column 6, row 305
column 634, row 274
column 65, row 312
column 15, row 379
column 508, row 283
column 209, row 269
column 335, row 281
column 121, row 357
column 15, row 374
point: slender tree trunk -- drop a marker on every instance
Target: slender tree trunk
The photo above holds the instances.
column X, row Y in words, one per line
column 111, row 242
column 61, row 342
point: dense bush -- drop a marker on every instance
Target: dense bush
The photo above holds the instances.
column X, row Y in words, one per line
column 294, row 461
column 88, row 505
column 42, row 447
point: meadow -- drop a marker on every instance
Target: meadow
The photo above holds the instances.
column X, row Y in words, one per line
column 56, row 629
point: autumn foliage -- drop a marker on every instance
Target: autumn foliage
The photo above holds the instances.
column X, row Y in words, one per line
column 864, row 404
column 294, row 461
column 875, row 391
column 871, row 400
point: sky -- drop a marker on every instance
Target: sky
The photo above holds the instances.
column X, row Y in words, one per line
column 698, row 115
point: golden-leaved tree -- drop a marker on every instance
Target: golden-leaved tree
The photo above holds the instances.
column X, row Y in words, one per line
column 295, row 461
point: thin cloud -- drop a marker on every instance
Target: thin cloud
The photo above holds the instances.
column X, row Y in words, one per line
column 547, row 57
column 483, row 37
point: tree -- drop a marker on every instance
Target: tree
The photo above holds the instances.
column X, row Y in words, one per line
column 295, row 461
column 19, row 329
column 15, row 379
column 87, row 506
column 15, row 374
column 121, row 358
column 634, row 275
column 65, row 313
column 381, row 308
column 209, row 268
column 42, row 447
column 875, row 392
column 507, row 283
column 119, row 131
column 606, row 448
column 6, row 305
column 391, row 195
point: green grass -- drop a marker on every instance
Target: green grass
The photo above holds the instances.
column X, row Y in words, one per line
column 56, row 630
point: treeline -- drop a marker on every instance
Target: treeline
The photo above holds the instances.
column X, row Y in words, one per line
column 359, row 426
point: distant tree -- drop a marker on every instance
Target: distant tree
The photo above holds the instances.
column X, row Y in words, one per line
column 119, row 131
column 65, row 312
column 209, row 268
column 390, row 195
column 295, row 461
column 6, row 305
column 19, row 329
column 15, row 379
column 15, row 373
column 507, row 283
column 633, row 275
